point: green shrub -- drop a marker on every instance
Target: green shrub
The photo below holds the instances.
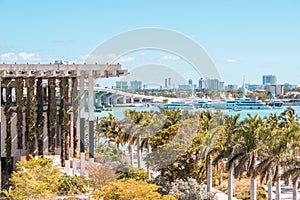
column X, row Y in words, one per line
column 34, row 179
column 72, row 185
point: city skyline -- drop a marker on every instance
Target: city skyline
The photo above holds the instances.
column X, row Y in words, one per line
column 248, row 39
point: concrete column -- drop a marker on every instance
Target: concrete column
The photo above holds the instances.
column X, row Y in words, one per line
column 0, row 135
column 81, row 124
column 74, row 166
column 67, row 167
column 82, row 163
column 91, row 115
column 81, row 112
column 124, row 100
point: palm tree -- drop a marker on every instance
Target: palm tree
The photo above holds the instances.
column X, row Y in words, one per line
column 140, row 119
column 292, row 137
column 246, row 151
column 210, row 126
column 273, row 153
column 292, row 172
column 111, row 129
column 225, row 146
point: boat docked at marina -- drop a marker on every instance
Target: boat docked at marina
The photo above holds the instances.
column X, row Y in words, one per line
column 275, row 103
column 178, row 105
column 245, row 103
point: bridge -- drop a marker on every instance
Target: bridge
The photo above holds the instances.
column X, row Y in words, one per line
column 106, row 96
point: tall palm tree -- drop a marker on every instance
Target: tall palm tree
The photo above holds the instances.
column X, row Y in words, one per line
column 273, row 152
column 246, row 151
column 225, row 146
column 292, row 172
column 292, row 136
column 292, row 164
column 111, row 129
column 210, row 126
column 140, row 119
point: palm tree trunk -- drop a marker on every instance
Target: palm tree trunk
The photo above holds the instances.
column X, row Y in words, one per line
column 209, row 173
column 148, row 167
column 230, row 183
column 270, row 185
column 295, row 192
column 252, row 188
column 139, row 151
column 278, row 188
column 131, row 154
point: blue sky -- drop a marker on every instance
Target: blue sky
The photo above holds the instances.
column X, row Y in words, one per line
column 243, row 38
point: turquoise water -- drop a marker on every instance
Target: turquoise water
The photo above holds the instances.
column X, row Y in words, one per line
column 118, row 112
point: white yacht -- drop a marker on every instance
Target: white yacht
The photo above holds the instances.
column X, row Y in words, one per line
column 245, row 103
column 178, row 105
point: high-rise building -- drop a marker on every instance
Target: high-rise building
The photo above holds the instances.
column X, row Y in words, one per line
column 202, row 84
column 276, row 90
column 212, row 84
column 136, row 85
column 232, row 87
column 122, row 85
column 269, row 80
column 167, row 83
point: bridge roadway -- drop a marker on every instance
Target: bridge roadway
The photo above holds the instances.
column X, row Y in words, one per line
column 107, row 96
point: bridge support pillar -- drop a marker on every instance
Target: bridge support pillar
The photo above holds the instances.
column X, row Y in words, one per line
column 124, row 100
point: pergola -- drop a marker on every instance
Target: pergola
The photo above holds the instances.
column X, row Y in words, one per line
column 76, row 75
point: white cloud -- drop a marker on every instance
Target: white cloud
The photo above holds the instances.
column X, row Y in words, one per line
column 10, row 56
column 20, row 57
column 126, row 59
column 170, row 58
column 230, row 60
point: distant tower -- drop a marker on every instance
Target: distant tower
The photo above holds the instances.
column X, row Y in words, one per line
column 169, row 83
column 166, row 83
column 269, row 80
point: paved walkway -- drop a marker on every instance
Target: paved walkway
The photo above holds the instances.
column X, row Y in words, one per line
column 221, row 195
